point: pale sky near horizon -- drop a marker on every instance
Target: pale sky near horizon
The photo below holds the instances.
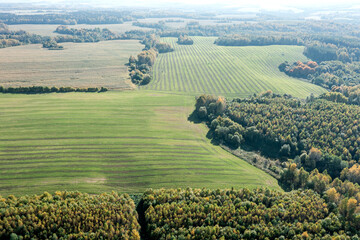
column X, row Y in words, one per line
column 237, row 3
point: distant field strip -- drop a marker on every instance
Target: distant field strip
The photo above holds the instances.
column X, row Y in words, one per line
column 124, row 141
column 49, row 29
column 230, row 71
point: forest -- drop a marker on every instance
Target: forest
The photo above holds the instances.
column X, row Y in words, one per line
column 321, row 133
column 69, row 215
column 188, row 213
column 244, row 214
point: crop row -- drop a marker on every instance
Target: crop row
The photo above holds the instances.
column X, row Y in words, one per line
column 207, row 68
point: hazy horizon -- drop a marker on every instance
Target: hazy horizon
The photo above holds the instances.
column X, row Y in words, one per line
column 273, row 5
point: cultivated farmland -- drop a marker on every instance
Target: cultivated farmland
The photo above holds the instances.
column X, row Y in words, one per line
column 230, row 71
column 124, row 141
column 99, row 64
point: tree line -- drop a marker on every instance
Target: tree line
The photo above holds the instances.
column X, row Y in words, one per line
column 157, row 25
column 10, row 38
column 249, row 40
column 69, row 18
column 41, row 89
column 140, row 66
column 328, row 74
column 85, row 34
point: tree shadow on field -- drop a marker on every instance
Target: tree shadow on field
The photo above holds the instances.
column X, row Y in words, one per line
column 193, row 117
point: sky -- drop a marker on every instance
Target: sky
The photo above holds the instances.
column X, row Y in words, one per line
column 260, row 2
column 228, row 3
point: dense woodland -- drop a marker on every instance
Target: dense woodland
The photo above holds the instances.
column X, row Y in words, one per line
column 245, row 214
column 346, row 94
column 316, row 140
column 69, row 215
column 322, row 134
column 342, row 195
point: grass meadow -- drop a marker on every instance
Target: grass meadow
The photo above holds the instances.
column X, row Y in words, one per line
column 99, row 64
column 229, row 71
column 124, row 141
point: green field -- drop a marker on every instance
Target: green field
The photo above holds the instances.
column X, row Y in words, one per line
column 133, row 140
column 79, row 65
column 230, row 71
column 124, row 141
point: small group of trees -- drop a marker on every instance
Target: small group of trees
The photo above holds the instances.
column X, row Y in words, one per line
column 152, row 41
column 299, row 69
column 41, row 89
column 140, row 67
column 185, row 40
column 52, row 45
